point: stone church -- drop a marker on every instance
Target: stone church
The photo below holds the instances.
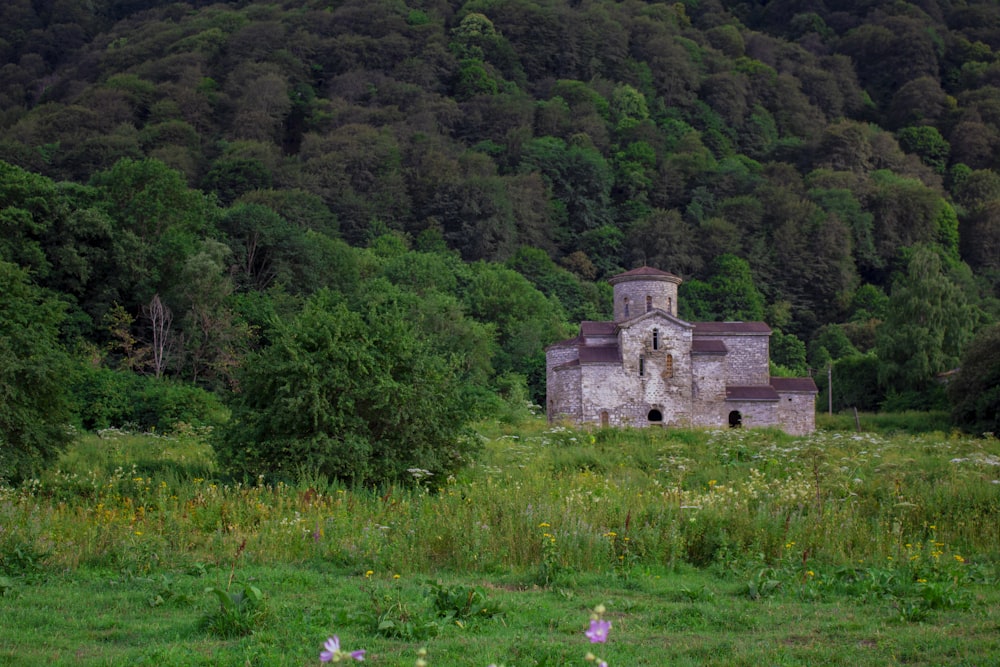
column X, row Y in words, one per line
column 650, row 368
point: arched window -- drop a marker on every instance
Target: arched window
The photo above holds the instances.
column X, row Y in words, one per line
column 655, row 416
column 668, row 366
column 670, row 305
column 626, row 307
column 656, row 339
column 649, row 303
column 642, row 365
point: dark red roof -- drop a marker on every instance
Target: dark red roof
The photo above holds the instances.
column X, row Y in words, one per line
column 599, row 354
column 804, row 385
column 722, row 328
column 569, row 342
column 645, row 271
column 760, row 392
column 708, row 346
column 598, row 328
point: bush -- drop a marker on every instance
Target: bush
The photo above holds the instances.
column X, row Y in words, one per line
column 105, row 398
column 353, row 396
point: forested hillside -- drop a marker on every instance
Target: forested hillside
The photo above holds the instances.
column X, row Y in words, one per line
column 193, row 183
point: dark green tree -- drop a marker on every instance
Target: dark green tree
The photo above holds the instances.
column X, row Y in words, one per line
column 34, row 406
column 729, row 294
column 355, row 396
column 928, row 322
column 975, row 391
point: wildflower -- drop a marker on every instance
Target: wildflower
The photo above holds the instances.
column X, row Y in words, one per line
column 959, row 558
column 543, row 524
column 598, row 631
column 332, row 652
column 368, row 574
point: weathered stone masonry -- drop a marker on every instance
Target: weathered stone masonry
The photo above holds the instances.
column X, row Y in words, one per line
column 648, row 367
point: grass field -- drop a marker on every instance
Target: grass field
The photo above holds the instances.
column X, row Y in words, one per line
column 706, row 548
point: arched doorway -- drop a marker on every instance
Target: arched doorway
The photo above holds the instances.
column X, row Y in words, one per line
column 735, row 419
column 605, row 419
column 655, row 416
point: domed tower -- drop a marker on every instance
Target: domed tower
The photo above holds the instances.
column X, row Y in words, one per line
column 641, row 290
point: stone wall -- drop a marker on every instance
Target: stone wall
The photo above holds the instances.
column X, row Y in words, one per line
column 663, row 293
column 796, row 413
column 563, row 394
column 708, row 389
column 748, row 358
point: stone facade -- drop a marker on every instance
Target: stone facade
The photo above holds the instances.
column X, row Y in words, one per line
column 647, row 367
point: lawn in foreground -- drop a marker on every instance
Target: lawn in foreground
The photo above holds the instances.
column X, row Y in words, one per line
column 706, row 548
column 689, row 617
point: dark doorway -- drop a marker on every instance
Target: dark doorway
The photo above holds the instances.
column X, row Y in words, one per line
column 735, row 419
column 655, row 416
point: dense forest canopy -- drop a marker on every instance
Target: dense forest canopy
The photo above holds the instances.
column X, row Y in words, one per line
column 182, row 177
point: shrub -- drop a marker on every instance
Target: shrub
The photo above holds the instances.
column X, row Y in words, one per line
column 105, row 398
column 353, row 396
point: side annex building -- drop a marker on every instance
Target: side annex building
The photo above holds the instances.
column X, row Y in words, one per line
column 648, row 367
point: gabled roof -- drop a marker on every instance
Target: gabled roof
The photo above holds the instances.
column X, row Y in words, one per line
column 598, row 328
column 569, row 342
column 760, row 392
column 658, row 313
column 722, row 328
column 794, row 385
column 600, row 354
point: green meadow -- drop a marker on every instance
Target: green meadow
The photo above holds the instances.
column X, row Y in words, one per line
column 734, row 547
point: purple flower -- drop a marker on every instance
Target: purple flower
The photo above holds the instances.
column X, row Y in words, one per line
column 598, row 632
column 332, row 652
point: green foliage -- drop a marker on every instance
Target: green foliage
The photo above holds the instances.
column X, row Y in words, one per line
column 728, row 294
column 352, row 395
column 607, row 135
column 579, row 176
column 524, row 319
column 789, row 352
column 461, row 603
column 34, row 406
column 105, row 398
column 974, row 392
column 856, row 383
column 240, row 613
column 928, row 143
column 928, row 323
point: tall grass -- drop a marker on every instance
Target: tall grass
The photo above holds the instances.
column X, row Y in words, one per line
column 538, row 499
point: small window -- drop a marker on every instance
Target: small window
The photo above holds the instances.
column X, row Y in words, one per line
column 626, row 307
column 656, row 339
column 655, row 416
column 670, row 305
column 668, row 366
column 642, row 365
column 649, row 303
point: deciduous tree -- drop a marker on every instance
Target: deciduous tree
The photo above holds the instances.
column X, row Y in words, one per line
column 34, row 408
